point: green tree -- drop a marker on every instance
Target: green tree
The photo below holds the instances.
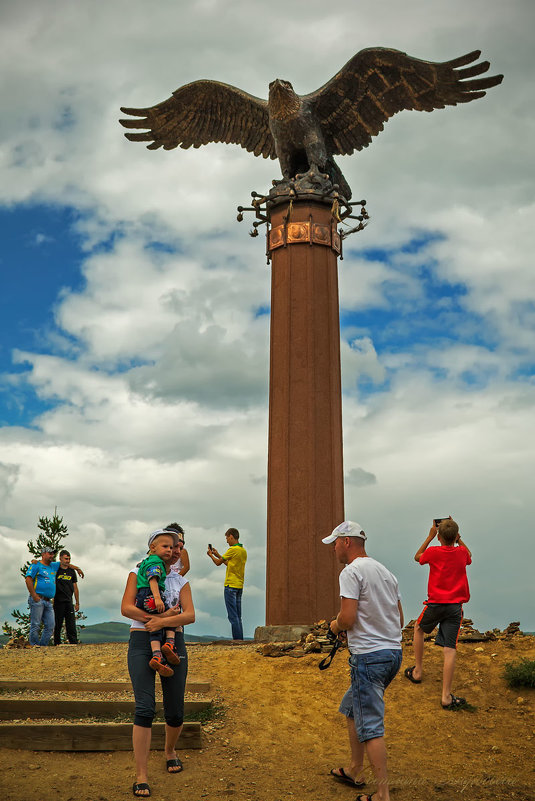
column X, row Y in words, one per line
column 52, row 532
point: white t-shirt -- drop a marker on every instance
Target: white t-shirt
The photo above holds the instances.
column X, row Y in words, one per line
column 173, row 584
column 377, row 625
column 177, row 566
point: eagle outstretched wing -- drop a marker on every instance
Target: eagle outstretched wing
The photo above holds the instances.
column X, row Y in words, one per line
column 203, row 112
column 378, row 82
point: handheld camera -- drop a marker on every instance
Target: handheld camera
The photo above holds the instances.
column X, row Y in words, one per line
column 336, row 641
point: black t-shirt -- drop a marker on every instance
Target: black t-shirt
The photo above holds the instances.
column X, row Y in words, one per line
column 65, row 581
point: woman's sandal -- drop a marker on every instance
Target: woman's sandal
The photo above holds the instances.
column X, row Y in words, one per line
column 137, row 786
column 174, row 763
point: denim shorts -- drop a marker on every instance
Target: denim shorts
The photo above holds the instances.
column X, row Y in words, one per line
column 370, row 676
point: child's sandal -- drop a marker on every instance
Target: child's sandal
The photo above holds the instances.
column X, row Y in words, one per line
column 168, row 650
column 157, row 663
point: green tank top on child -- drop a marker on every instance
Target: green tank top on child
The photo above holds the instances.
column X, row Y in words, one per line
column 151, row 567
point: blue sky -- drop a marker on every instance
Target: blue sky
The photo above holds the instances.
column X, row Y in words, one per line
column 40, row 256
column 135, row 310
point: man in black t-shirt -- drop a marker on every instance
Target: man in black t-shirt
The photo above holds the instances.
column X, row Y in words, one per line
column 66, row 586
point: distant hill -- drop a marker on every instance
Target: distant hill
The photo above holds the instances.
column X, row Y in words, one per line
column 117, row 632
column 105, row 632
column 120, row 632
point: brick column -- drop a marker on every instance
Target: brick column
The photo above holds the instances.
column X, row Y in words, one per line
column 305, row 465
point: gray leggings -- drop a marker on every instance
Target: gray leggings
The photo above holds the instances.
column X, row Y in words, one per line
column 143, row 676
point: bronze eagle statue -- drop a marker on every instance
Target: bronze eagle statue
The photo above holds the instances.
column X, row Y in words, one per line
column 305, row 132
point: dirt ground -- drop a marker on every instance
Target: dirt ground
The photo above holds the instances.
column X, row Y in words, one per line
column 280, row 733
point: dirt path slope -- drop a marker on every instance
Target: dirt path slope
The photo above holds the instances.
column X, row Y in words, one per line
column 281, row 733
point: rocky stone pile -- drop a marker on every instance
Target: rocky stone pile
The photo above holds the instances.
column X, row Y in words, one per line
column 512, row 630
column 17, row 642
column 468, row 633
column 315, row 641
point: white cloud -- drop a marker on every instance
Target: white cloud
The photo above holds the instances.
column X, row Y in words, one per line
column 358, row 477
column 492, row 256
column 359, row 360
column 8, row 478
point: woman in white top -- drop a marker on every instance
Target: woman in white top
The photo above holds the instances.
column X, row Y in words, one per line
column 181, row 613
column 182, row 563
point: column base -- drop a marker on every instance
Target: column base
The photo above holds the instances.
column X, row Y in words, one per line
column 289, row 633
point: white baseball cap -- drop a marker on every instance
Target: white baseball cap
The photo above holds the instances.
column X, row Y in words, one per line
column 161, row 531
column 345, row 529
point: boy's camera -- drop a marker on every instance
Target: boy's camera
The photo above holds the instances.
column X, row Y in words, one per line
column 438, row 521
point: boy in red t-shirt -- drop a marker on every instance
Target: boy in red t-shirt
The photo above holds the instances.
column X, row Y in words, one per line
column 447, row 590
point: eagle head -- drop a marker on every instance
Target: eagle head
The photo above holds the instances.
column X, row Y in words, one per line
column 283, row 102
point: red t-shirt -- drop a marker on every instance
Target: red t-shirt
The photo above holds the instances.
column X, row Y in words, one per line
column 448, row 583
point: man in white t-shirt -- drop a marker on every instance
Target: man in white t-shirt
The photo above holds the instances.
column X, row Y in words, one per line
column 372, row 616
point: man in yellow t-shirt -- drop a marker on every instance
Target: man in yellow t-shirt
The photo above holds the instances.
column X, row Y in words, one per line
column 234, row 558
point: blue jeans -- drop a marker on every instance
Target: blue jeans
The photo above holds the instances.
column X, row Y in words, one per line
column 370, row 676
column 143, row 679
column 41, row 612
column 233, row 604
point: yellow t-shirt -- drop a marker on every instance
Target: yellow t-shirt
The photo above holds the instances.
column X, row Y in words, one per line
column 235, row 557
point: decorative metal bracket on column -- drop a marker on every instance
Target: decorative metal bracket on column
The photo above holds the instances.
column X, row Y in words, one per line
column 291, row 233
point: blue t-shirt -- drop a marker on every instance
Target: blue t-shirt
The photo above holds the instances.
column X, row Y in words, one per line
column 44, row 578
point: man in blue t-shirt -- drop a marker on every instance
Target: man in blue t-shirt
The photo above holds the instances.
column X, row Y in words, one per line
column 41, row 583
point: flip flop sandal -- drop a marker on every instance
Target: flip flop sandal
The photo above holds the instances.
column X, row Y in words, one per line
column 174, row 763
column 137, row 786
column 340, row 775
column 364, row 798
column 408, row 675
column 455, row 703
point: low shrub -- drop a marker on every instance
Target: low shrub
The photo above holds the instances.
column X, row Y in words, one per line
column 520, row 674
